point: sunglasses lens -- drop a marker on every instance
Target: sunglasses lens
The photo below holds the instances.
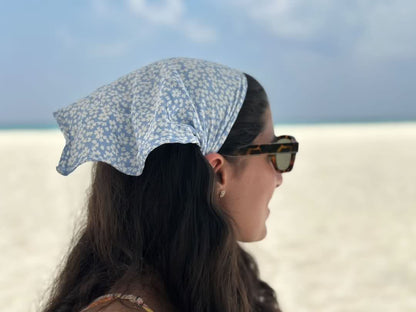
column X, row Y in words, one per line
column 283, row 159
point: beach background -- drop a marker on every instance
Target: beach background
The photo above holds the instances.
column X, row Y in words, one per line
column 341, row 233
column 340, row 76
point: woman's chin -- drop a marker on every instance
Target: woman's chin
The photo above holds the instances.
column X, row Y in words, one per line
column 254, row 237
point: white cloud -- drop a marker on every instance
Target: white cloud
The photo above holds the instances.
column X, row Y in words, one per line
column 172, row 14
column 136, row 13
column 379, row 28
column 287, row 18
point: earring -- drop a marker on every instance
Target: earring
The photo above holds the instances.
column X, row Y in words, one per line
column 222, row 193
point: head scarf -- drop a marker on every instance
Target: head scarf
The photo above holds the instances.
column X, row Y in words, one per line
column 178, row 100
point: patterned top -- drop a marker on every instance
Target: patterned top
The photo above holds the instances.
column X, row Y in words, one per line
column 137, row 301
column 178, row 100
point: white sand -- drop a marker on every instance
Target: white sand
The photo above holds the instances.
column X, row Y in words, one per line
column 342, row 233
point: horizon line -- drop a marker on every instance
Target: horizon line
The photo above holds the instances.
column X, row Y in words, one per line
column 47, row 126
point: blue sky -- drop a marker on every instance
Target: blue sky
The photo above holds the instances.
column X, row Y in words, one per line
column 320, row 61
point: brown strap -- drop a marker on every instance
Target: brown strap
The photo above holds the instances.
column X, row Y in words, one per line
column 138, row 301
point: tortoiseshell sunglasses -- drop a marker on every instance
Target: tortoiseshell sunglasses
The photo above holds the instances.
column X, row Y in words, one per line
column 282, row 152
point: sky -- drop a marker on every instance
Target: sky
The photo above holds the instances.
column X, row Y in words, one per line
column 319, row 61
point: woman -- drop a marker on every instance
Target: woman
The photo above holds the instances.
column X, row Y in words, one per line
column 186, row 163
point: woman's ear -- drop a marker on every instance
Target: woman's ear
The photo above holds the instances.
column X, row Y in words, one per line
column 218, row 164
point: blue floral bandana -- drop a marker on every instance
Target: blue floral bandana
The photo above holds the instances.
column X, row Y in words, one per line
column 178, row 100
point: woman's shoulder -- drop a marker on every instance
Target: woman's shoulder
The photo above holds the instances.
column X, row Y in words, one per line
column 144, row 294
column 132, row 292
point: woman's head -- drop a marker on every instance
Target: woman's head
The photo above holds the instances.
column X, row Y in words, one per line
column 179, row 189
column 174, row 218
column 180, row 100
column 170, row 219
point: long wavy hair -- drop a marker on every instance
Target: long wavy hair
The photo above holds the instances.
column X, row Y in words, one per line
column 168, row 221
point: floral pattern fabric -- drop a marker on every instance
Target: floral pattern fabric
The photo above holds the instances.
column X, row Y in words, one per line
column 177, row 100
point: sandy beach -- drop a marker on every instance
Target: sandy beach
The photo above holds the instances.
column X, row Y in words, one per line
column 341, row 232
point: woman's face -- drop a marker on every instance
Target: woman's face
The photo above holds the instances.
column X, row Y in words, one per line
column 249, row 188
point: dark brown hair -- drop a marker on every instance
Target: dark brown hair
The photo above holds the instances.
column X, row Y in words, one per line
column 167, row 220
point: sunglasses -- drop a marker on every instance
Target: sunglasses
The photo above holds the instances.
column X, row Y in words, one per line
column 282, row 153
